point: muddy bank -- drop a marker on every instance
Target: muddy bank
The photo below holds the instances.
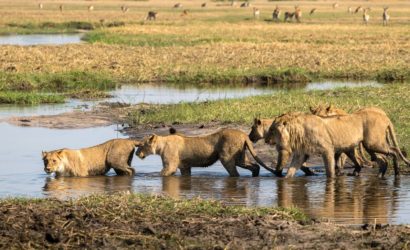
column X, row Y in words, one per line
column 101, row 115
column 147, row 222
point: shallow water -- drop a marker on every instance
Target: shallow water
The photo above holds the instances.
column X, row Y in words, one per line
column 165, row 94
column 349, row 200
column 346, row 199
column 40, row 39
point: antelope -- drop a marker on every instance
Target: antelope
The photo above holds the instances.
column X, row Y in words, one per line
column 40, row 6
column 366, row 16
column 124, row 9
column 386, row 16
column 297, row 14
column 90, row 7
column 203, row 5
column 245, row 4
column 61, row 7
column 289, row 16
column 184, row 13
column 276, row 14
column 178, row 5
column 256, row 13
column 335, row 5
column 152, row 15
column 359, row 8
column 349, row 10
column 312, row 11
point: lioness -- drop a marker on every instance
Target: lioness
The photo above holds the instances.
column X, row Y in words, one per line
column 330, row 136
column 260, row 129
column 183, row 152
column 377, row 128
column 97, row 160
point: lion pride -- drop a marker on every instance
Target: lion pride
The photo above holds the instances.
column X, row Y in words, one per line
column 97, row 160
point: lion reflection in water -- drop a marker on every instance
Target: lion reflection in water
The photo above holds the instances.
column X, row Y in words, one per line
column 64, row 187
column 361, row 200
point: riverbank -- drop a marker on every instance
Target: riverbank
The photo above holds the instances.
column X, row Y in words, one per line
column 151, row 222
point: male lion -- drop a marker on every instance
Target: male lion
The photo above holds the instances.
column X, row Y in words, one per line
column 183, row 152
column 306, row 134
column 97, row 160
column 260, row 129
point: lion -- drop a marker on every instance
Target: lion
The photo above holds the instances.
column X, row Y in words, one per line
column 333, row 135
column 323, row 111
column 182, row 152
column 260, row 129
column 379, row 127
column 97, row 160
column 307, row 134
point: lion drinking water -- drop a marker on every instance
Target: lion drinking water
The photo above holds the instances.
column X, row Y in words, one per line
column 97, row 160
column 183, row 152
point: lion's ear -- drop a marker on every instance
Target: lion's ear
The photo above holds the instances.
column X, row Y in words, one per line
column 153, row 138
column 312, row 110
column 330, row 107
column 43, row 154
column 259, row 122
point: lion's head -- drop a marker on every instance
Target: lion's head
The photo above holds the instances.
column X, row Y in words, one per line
column 327, row 111
column 285, row 130
column 258, row 129
column 147, row 147
column 53, row 161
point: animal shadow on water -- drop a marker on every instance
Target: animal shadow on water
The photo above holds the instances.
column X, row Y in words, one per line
column 66, row 187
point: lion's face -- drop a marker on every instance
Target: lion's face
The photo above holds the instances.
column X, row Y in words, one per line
column 257, row 131
column 52, row 161
column 148, row 147
column 278, row 134
column 327, row 111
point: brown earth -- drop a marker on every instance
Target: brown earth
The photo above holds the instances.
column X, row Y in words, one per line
column 124, row 221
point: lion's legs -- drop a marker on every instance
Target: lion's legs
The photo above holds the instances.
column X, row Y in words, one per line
column 382, row 163
column 339, row 163
column 283, row 157
column 244, row 162
column 386, row 150
column 124, row 170
column 329, row 160
column 169, row 169
column 353, row 157
column 296, row 163
column 305, row 169
column 185, row 171
column 230, row 166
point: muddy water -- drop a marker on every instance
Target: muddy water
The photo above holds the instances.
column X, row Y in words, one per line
column 40, row 39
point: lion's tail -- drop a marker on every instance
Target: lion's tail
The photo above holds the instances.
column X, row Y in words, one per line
column 249, row 145
column 392, row 135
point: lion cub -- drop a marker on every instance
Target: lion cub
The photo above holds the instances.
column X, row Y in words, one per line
column 183, row 152
column 97, row 160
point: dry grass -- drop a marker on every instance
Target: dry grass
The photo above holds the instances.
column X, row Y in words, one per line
column 217, row 42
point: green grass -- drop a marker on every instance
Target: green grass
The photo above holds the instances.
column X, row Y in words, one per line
column 55, row 82
column 392, row 98
column 23, row 98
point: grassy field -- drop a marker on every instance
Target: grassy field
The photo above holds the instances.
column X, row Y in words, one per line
column 218, row 43
column 243, row 111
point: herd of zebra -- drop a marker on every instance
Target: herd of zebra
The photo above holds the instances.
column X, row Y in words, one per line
column 288, row 15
